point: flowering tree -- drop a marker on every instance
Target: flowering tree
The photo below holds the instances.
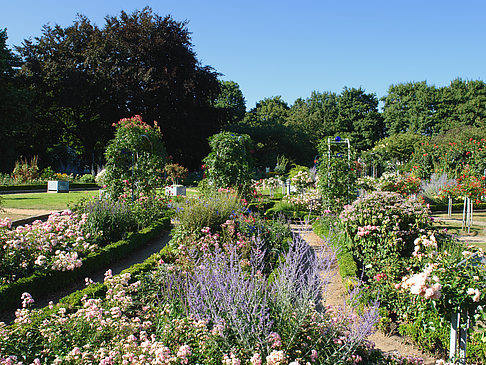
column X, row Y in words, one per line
column 175, row 172
column 134, row 158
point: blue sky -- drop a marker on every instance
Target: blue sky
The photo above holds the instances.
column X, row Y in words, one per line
column 291, row 48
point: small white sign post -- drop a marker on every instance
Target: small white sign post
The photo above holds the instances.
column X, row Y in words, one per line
column 449, row 208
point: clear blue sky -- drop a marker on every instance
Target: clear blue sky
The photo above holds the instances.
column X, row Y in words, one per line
column 291, row 48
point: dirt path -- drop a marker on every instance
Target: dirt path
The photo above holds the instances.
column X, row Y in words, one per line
column 389, row 344
column 17, row 213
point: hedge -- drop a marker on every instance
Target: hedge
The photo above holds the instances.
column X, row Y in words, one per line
column 347, row 266
column 44, row 186
column 456, row 207
column 41, row 283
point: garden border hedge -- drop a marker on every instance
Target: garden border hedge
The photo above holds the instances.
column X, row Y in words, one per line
column 348, row 269
column 456, row 207
column 41, row 283
column 44, row 186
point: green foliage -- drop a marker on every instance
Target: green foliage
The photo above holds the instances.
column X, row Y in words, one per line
column 231, row 101
column 282, row 166
column 87, row 178
column 41, row 283
column 175, row 172
column 419, row 108
column 394, row 152
column 382, row 227
column 134, row 159
column 108, row 221
column 195, row 214
column 296, row 169
column 451, row 153
column 324, row 227
column 230, row 164
column 337, row 176
column 267, row 125
column 139, row 62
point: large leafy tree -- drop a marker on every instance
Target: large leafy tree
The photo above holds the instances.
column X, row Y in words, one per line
column 231, row 101
column 15, row 129
column 461, row 104
column 87, row 77
column 358, row 116
column 267, row 125
column 410, row 107
column 316, row 116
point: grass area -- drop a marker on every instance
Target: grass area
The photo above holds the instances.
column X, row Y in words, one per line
column 477, row 231
column 44, row 201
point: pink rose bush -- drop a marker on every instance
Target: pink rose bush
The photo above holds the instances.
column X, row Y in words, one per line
column 57, row 244
column 210, row 311
column 420, row 274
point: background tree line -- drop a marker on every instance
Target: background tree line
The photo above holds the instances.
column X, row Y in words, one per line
column 61, row 92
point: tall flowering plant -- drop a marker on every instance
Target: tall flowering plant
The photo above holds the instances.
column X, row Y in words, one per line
column 452, row 275
column 134, row 158
column 336, row 173
column 469, row 185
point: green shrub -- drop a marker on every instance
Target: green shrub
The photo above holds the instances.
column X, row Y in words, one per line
column 337, row 176
column 87, row 178
column 134, row 159
column 382, row 227
column 230, row 163
column 195, row 214
column 296, row 169
column 107, row 220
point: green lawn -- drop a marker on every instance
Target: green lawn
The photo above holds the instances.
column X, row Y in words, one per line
column 44, row 201
column 455, row 227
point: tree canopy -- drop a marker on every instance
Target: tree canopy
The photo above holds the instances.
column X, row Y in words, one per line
column 86, row 77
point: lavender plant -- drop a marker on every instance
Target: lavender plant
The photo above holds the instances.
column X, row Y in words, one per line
column 431, row 190
column 233, row 295
column 107, row 220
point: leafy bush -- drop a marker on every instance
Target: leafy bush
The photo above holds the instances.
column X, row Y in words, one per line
column 337, row 176
column 230, row 163
column 134, row 159
column 175, row 172
column 87, row 178
column 382, row 227
column 107, row 220
column 195, row 214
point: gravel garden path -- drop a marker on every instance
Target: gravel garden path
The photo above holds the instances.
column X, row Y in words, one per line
column 336, row 294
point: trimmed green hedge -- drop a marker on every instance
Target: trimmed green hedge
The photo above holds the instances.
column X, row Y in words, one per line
column 98, row 290
column 347, row 266
column 44, row 186
column 456, row 207
column 41, row 283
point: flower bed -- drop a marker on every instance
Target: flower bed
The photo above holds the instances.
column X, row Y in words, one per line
column 43, row 282
column 217, row 310
column 57, row 244
column 419, row 275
